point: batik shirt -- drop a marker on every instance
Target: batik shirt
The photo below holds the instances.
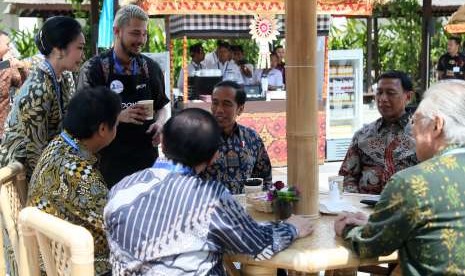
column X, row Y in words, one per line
column 35, row 118
column 421, row 213
column 66, row 184
column 377, row 151
column 9, row 77
column 242, row 155
column 166, row 220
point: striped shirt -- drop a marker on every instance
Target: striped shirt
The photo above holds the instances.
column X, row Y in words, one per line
column 165, row 220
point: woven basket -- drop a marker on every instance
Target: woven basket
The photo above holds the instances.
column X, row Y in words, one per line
column 259, row 202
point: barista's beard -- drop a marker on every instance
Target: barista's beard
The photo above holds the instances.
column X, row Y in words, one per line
column 126, row 50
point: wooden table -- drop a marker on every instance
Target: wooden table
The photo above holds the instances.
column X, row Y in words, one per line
column 318, row 252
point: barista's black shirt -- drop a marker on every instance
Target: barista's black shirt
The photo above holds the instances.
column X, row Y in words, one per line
column 132, row 149
column 96, row 70
column 453, row 67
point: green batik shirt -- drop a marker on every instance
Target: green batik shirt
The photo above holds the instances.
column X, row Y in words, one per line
column 421, row 213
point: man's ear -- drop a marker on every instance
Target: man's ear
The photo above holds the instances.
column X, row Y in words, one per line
column 101, row 129
column 438, row 126
column 240, row 109
column 116, row 31
column 161, row 143
column 409, row 95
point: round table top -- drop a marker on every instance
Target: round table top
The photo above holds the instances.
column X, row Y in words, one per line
column 322, row 250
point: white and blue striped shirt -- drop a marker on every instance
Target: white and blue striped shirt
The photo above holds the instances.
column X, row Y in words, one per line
column 165, row 220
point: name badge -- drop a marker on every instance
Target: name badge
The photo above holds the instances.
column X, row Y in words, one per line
column 116, row 86
column 456, row 69
column 232, row 159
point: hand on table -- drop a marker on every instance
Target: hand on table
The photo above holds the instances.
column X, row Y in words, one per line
column 345, row 219
column 134, row 115
column 303, row 225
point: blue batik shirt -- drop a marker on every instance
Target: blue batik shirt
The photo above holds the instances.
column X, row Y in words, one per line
column 242, row 155
column 166, row 220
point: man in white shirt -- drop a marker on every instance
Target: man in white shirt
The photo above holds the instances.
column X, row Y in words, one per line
column 197, row 57
column 274, row 76
column 245, row 67
column 229, row 69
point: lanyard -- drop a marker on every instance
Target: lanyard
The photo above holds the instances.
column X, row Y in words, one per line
column 56, row 86
column 175, row 168
column 225, row 67
column 119, row 68
column 69, row 141
column 197, row 67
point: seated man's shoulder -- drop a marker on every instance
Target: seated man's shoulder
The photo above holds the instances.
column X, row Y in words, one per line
column 249, row 132
column 151, row 64
column 421, row 172
column 369, row 129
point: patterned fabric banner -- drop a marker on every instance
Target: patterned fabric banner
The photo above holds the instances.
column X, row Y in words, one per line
column 335, row 7
column 200, row 25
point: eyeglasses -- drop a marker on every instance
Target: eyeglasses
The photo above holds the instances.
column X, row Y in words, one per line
column 413, row 120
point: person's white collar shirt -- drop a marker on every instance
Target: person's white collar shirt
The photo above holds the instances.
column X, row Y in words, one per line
column 252, row 79
column 230, row 71
column 210, row 60
column 274, row 76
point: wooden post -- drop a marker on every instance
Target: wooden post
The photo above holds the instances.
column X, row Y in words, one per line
column 376, row 47
column 94, row 17
column 184, row 68
column 369, row 53
column 302, row 97
column 425, row 44
column 167, row 32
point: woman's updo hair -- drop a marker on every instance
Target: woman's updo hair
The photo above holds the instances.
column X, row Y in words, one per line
column 57, row 31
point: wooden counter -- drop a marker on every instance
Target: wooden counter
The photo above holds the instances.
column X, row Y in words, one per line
column 274, row 106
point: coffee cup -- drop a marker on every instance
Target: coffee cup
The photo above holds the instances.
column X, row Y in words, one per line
column 253, row 185
column 148, row 106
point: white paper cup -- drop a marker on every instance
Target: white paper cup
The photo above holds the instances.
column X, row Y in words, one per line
column 336, row 185
column 148, row 105
column 248, row 189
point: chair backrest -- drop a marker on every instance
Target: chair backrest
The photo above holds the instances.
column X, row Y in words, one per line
column 13, row 194
column 66, row 249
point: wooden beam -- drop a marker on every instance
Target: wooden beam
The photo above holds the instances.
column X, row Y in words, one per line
column 167, row 32
column 94, row 16
column 369, row 53
column 376, row 48
column 302, row 98
column 425, row 44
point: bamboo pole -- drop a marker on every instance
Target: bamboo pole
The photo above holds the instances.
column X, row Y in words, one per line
column 184, row 68
column 302, row 110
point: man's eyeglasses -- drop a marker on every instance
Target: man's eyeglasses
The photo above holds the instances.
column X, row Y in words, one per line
column 413, row 120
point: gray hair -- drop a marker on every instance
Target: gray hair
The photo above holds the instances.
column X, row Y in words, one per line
column 446, row 99
column 128, row 12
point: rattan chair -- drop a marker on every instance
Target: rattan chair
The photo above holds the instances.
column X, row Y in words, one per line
column 66, row 249
column 13, row 193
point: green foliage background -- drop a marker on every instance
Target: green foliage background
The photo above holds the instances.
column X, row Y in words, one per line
column 399, row 37
column 156, row 42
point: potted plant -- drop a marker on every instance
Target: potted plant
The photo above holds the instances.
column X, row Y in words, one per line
column 283, row 199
